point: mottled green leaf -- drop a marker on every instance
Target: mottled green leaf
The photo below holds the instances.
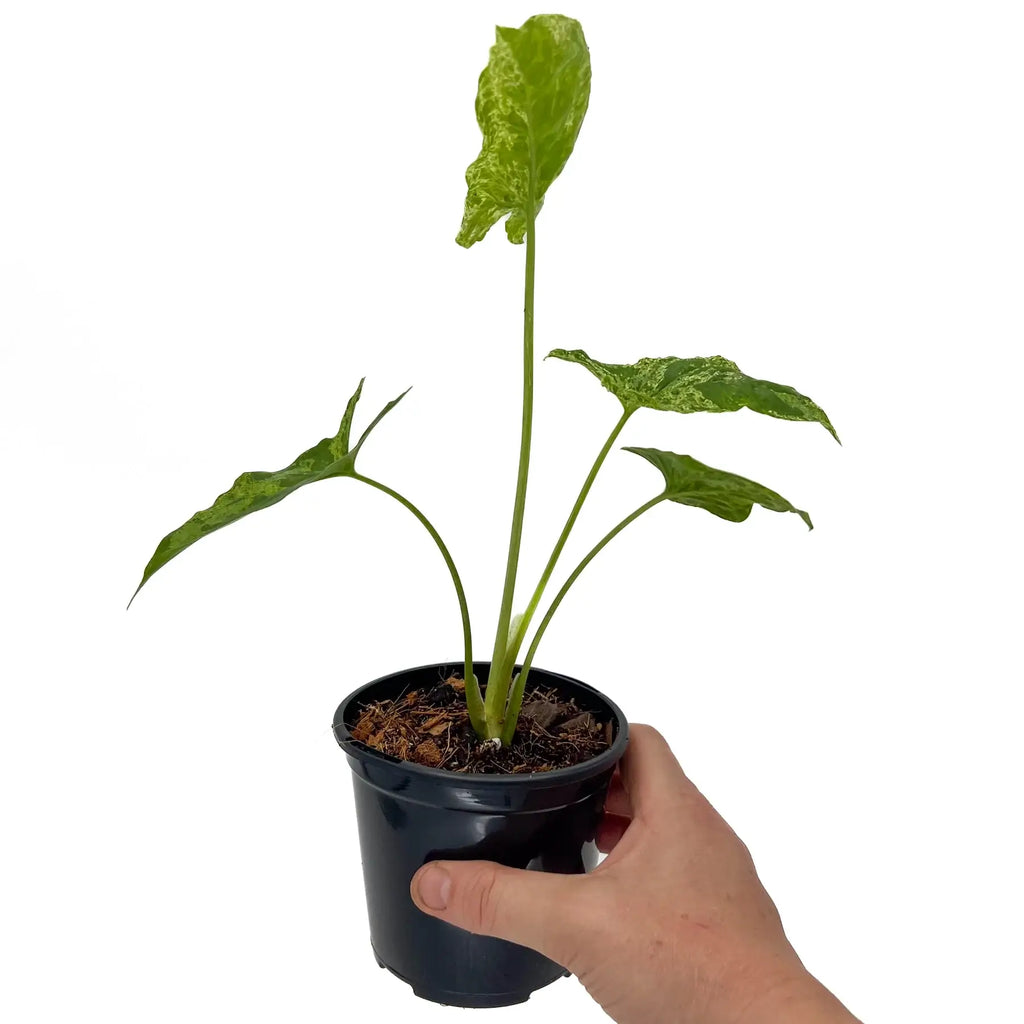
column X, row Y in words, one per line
column 703, row 384
column 530, row 103
column 725, row 495
column 251, row 492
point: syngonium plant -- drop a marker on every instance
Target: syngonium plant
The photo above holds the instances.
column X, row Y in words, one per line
column 531, row 101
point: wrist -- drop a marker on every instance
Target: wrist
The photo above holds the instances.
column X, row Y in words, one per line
column 796, row 999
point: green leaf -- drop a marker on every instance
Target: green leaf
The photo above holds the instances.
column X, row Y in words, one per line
column 703, row 384
column 530, row 103
column 725, row 495
column 258, row 490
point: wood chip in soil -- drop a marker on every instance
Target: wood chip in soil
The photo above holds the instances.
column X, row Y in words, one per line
column 431, row 726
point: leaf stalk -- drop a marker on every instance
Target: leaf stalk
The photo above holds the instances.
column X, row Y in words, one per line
column 474, row 701
column 516, row 698
column 520, row 632
column 499, row 678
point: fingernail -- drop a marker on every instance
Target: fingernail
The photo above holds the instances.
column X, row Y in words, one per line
column 434, row 887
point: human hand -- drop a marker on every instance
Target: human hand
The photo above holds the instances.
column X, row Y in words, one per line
column 673, row 926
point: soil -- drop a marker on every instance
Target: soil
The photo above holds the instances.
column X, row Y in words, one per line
column 431, row 727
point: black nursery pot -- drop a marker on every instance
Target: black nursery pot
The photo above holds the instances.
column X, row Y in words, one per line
column 409, row 814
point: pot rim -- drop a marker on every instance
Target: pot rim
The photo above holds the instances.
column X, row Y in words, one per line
column 557, row 776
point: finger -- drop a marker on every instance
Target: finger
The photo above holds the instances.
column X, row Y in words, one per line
column 617, row 801
column 533, row 908
column 651, row 775
column 609, row 831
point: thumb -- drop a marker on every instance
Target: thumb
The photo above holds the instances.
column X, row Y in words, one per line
column 532, row 908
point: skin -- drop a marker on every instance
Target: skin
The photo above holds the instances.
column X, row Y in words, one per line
column 674, row 925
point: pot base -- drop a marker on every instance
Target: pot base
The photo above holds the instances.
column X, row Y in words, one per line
column 466, row 1000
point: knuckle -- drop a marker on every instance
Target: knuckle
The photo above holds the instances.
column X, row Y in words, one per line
column 482, row 901
column 743, row 851
column 646, row 730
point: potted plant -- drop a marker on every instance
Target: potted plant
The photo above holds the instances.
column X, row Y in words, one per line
column 499, row 759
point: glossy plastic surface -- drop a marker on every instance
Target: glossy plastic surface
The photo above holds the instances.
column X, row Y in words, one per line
column 409, row 814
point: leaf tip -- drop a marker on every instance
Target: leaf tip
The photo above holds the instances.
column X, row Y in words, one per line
column 142, row 583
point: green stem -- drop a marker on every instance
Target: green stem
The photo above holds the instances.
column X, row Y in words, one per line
column 517, row 641
column 499, row 678
column 474, row 701
column 516, row 700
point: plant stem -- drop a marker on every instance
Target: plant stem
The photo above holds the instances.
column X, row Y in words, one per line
column 474, row 702
column 517, row 641
column 516, row 700
column 499, row 677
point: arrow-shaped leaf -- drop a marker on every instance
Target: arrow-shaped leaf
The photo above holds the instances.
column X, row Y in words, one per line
column 258, row 490
column 725, row 495
column 702, row 384
column 530, row 103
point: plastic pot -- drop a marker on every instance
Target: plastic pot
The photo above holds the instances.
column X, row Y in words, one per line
column 409, row 814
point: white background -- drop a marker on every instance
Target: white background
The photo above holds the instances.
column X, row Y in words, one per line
column 216, row 217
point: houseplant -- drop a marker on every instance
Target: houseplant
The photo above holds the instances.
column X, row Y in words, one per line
column 414, row 804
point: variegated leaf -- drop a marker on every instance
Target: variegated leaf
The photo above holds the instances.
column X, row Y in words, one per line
column 530, row 104
column 723, row 494
column 701, row 384
column 332, row 457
